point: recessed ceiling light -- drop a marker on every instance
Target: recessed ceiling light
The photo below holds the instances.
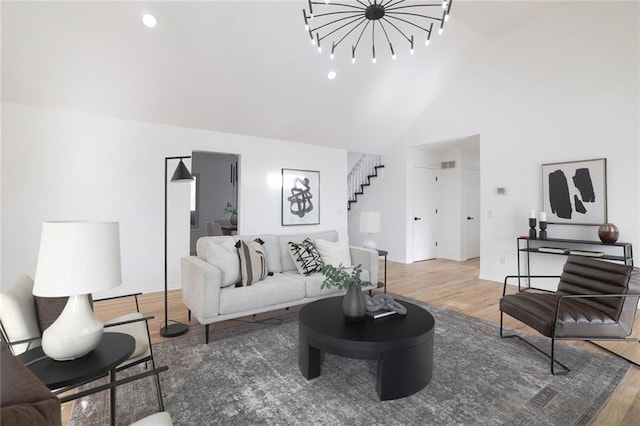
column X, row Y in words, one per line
column 149, row 20
column 331, row 75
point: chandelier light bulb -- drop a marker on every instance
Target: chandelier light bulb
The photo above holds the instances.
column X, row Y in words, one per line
column 411, row 51
column 445, row 3
column 353, row 59
column 319, row 49
column 149, row 20
column 331, row 56
column 373, row 60
column 306, row 27
column 331, row 75
column 440, row 31
column 446, row 17
column 427, row 42
column 394, row 56
column 313, row 41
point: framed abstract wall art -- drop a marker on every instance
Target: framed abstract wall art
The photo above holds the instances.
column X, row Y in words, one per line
column 575, row 192
column 300, row 197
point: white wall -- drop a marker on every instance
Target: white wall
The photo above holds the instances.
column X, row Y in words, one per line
column 60, row 165
column 559, row 87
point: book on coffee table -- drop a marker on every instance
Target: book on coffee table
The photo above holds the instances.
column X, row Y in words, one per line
column 380, row 313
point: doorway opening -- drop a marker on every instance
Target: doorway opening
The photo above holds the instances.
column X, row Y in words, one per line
column 214, row 195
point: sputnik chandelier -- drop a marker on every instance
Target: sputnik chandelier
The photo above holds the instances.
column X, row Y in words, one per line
column 382, row 18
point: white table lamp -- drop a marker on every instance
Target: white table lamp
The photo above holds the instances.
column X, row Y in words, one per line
column 370, row 224
column 75, row 260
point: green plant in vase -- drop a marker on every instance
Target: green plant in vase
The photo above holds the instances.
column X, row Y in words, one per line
column 354, row 306
column 232, row 212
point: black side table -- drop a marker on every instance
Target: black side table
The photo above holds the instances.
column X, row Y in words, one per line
column 59, row 376
column 383, row 283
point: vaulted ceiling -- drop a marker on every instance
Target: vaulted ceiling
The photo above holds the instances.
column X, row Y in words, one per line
column 243, row 67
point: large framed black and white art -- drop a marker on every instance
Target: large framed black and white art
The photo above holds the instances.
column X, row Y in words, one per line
column 575, row 192
column 300, row 197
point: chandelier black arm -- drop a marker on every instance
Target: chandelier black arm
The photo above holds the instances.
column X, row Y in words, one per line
column 365, row 5
column 322, row 15
column 397, row 29
column 340, row 4
column 362, row 21
column 408, row 22
column 391, row 14
column 387, row 37
column 389, row 3
column 353, row 14
column 340, row 27
column 360, row 36
column 394, row 7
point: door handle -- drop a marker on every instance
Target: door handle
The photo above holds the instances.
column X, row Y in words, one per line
column 469, row 218
column 417, row 218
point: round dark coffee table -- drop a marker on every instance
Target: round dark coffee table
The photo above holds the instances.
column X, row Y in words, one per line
column 402, row 345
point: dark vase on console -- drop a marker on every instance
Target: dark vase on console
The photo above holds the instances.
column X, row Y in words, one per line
column 532, row 228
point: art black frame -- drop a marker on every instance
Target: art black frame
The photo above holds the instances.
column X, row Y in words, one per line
column 303, row 186
column 581, row 184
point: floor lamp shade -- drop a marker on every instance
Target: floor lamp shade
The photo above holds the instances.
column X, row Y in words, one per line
column 75, row 260
column 370, row 224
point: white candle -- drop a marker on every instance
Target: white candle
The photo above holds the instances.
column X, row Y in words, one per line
column 543, row 216
column 533, row 214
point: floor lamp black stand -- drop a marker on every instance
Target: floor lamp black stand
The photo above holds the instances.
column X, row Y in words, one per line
column 181, row 174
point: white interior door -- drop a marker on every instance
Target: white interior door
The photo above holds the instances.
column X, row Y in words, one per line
column 424, row 213
column 472, row 212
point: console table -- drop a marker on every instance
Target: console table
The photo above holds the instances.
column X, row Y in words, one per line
column 615, row 252
column 384, row 254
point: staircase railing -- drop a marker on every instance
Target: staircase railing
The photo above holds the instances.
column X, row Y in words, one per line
column 360, row 176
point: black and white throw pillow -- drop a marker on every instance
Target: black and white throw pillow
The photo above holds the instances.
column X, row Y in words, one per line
column 306, row 257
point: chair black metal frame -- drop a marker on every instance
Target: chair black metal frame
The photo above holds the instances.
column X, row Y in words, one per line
column 553, row 337
column 126, row 365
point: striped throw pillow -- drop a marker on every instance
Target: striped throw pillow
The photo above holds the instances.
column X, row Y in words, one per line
column 306, row 257
column 253, row 263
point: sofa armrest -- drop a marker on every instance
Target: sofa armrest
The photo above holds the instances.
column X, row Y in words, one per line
column 201, row 288
column 368, row 258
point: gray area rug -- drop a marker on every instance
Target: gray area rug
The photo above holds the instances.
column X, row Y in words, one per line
column 249, row 375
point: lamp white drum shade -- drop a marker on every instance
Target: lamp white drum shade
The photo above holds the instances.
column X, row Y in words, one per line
column 76, row 259
column 370, row 224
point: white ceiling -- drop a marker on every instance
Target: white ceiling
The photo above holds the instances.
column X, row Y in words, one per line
column 243, row 67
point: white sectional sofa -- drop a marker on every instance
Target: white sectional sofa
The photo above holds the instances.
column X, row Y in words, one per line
column 208, row 278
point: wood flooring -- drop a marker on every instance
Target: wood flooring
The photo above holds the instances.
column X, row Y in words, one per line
column 453, row 285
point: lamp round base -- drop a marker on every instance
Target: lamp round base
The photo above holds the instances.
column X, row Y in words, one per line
column 174, row 330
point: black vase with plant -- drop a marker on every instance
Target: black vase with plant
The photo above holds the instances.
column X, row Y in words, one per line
column 354, row 306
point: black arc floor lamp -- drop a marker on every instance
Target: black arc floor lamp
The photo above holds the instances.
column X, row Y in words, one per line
column 181, row 174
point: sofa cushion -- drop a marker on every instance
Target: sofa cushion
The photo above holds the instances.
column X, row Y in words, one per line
column 253, row 263
column 334, row 253
column 271, row 291
column 313, row 282
column 306, row 257
column 224, row 255
column 287, row 260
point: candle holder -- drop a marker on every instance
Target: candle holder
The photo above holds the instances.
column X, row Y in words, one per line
column 532, row 228
column 543, row 231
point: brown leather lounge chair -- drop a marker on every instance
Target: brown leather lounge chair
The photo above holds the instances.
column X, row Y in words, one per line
column 595, row 300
